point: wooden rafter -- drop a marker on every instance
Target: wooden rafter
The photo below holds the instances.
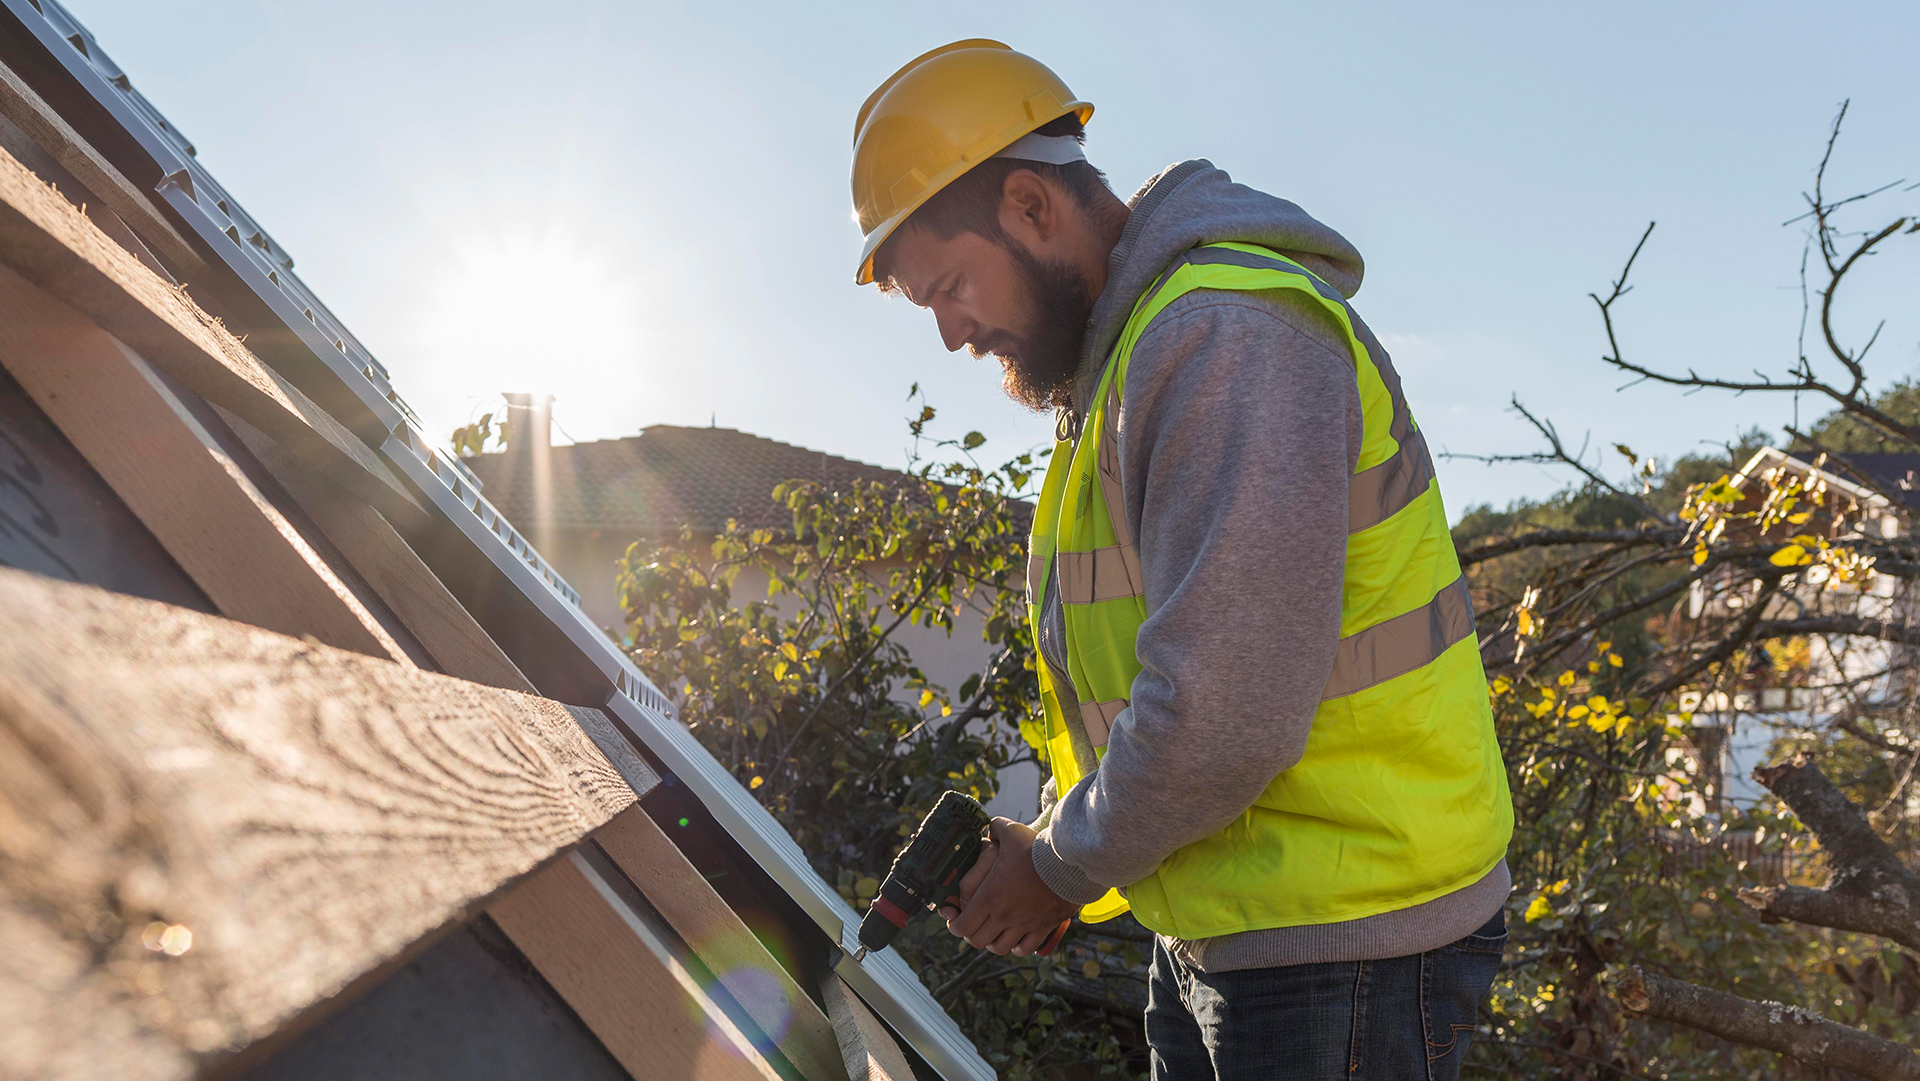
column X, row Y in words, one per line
column 47, row 240
column 208, row 830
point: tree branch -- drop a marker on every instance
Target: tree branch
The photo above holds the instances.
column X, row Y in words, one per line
column 1539, row 538
column 1869, row 890
column 1852, row 626
column 1789, row 1030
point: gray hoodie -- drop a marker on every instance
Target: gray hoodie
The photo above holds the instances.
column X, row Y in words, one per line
column 1239, row 430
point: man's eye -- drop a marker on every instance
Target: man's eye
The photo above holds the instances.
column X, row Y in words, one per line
column 953, row 291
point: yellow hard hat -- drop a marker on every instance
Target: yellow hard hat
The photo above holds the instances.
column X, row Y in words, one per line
column 939, row 116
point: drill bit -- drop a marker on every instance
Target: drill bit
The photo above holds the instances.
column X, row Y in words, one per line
column 859, row 955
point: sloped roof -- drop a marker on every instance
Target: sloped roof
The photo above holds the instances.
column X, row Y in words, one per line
column 1891, row 473
column 666, row 477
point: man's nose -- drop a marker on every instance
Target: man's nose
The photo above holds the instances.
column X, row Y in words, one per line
column 954, row 330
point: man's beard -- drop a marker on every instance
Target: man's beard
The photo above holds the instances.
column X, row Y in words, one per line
column 1039, row 365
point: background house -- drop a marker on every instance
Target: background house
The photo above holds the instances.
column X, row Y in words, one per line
column 1831, row 678
column 584, row 504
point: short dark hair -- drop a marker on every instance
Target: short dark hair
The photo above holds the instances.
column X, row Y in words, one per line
column 971, row 203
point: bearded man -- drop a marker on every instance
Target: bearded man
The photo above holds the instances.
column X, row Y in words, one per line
column 1262, row 695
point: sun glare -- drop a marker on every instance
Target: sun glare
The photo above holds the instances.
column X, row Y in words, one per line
column 546, row 309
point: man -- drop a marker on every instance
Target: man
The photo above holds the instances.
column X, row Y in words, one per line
column 1262, row 695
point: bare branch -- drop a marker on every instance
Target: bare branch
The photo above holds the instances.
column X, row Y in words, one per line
column 1869, row 889
column 1499, row 546
column 1789, row 1030
column 1854, row 626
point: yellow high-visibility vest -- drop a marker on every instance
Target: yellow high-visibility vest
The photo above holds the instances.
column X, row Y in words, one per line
column 1400, row 796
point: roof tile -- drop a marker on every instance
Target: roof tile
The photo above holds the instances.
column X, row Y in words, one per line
column 652, row 484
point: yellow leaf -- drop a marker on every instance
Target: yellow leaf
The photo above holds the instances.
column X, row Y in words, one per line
column 756, row 782
column 1593, row 667
column 1091, row 970
column 1614, row 659
column 1539, row 909
column 1603, row 647
column 1577, row 712
column 1600, row 723
column 1791, row 556
column 1599, row 704
column 867, row 887
column 926, row 697
column 1801, row 518
column 1566, row 678
column 1524, row 623
column 1699, row 554
column 1502, row 685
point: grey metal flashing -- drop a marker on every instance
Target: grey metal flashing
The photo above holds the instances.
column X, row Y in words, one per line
column 637, row 707
column 215, row 217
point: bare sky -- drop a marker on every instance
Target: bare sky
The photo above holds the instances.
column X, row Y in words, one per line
column 642, row 208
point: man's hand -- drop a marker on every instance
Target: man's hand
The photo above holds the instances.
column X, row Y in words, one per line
column 1006, row 907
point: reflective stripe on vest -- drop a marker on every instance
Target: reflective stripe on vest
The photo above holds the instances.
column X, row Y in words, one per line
column 1405, row 700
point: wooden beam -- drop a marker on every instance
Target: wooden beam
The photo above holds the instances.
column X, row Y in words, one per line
column 389, row 564
column 620, row 975
column 206, row 829
column 20, row 104
column 171, row 472
column 410, row 589
column 724, row 943
column 865, row 1044
column 49, row 242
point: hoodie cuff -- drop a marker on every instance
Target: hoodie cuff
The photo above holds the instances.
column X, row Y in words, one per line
column 1063, row 878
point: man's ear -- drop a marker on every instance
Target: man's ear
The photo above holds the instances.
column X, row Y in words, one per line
column 1029, row 212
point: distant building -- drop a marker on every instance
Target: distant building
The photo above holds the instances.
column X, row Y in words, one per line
column 1839, row 677
column 600, row 497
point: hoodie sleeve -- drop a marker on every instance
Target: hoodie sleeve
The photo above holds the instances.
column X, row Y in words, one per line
column 1238, row 437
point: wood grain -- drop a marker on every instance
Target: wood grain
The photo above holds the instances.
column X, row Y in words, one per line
column 620, row 975
column 410, row 589
column 49, row 242
column 20, row 104
column 724, row 943
column 390, row 566
column 307, row 814
column 866, row 1046
column 171, row 472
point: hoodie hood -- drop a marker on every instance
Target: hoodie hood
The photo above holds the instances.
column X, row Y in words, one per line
column 1191, row 204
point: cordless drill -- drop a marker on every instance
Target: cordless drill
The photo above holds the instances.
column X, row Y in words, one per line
column 925, row 875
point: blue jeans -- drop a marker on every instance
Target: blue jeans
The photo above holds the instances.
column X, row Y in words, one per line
column 1403, row 1019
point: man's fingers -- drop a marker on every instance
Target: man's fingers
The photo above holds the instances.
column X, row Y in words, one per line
column 1005, row 941
column 1031, row 943
column 977, row 874
column 971, row 918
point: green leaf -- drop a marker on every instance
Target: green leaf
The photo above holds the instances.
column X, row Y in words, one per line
column 972, row 440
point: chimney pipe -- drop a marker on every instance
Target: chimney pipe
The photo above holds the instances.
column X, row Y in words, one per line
column 530, row 419
column 530, row 445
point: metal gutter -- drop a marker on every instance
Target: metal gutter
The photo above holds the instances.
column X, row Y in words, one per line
column 321, row 346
